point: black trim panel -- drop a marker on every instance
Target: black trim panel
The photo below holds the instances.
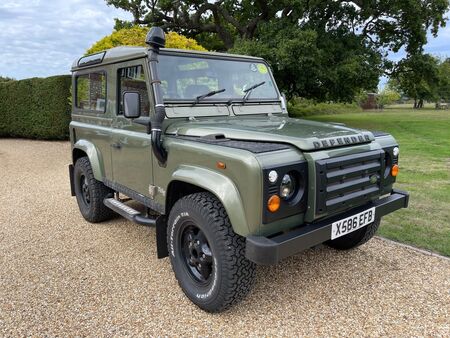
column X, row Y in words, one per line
column 298, row 202
column 266, row 251
column 72, row 182
column 347, row 181
column 255, row 147
column 377, row 133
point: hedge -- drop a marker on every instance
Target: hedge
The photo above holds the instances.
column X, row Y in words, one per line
column 35, row 108
column 302, row 107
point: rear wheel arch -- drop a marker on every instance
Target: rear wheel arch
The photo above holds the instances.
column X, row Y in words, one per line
column 85, row 148
column 90, row 193
column 77, row 154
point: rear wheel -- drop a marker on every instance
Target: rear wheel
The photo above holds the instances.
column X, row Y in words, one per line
column 206, row 255
column 90, row 193
column 355, row 238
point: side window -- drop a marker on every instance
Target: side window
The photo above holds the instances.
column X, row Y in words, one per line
column 91, row 92
column 132, row 79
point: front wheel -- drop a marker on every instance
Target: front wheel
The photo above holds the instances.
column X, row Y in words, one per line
column 355, row 238
column 206, row 255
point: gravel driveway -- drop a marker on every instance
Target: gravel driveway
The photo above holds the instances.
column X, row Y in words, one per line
column 60, row 275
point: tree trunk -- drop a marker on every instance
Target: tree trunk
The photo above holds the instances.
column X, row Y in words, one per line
column 420, row 104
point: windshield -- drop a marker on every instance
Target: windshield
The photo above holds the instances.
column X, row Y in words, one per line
column 186, row 78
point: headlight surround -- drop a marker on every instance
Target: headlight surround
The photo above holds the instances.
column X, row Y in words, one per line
column 390, row 159
column 288, row 186
column 292, row 191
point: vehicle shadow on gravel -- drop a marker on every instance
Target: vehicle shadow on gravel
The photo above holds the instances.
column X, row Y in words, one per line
column 315, row 275
column 320, row 277
column 372, row 287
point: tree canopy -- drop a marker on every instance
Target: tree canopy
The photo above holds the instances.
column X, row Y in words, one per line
column 135, row 36
column 5, row 79
column 323, row 50
column 444, row 81
column 388, row 23
column 324, row 66
column 423, row 77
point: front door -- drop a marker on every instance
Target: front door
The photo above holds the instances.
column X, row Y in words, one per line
column 131, row 150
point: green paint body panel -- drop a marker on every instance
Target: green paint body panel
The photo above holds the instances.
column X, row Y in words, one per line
column 95, row 157
column 276, row 128
column 221, row 186
column 240, row 186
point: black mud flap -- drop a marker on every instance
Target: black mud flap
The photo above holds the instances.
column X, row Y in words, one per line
column 161, row 236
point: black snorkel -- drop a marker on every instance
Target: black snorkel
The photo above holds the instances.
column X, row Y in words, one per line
column 156, row 40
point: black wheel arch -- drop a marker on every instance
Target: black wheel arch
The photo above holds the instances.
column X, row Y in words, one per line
column 77, row 154
column 176, row 190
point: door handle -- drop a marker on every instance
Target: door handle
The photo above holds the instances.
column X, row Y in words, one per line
column 116, row 145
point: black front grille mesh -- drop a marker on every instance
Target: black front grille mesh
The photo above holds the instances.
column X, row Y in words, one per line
column 348, row 181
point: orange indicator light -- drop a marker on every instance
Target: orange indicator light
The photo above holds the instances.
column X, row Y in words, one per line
column 273, row 204
column 221, row 165
column 394, row 170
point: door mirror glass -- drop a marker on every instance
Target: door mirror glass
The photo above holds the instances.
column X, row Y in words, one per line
column 131, row 104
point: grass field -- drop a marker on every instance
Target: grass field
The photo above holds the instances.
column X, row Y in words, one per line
column 424, row 138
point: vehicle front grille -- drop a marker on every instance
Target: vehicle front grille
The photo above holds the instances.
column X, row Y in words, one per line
column 348, row 181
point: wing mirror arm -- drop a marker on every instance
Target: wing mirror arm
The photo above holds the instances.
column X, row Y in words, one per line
column 144, row 121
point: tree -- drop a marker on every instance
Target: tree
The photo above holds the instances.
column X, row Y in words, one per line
column 391, row 24
column 318, row 65
column 417, row 77
column 324, row 50
column 5, row 79
column 387, row 96
column 135, row 36
column 444, row 80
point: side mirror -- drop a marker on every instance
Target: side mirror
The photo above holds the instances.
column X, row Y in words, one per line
column 131, row 104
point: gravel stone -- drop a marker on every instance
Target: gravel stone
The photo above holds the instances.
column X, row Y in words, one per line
column 62, row 276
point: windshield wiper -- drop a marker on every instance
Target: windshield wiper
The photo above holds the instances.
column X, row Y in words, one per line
column 248, row 91
column 211, row 93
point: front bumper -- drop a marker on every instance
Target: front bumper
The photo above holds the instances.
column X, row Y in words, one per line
column 266, row 251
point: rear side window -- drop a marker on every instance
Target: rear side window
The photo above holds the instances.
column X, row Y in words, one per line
column 91, row 92
column 132, row 79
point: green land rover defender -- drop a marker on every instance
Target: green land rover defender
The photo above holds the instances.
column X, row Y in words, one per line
column 200, row 145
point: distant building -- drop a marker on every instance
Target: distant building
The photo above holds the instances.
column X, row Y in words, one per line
column 371, row 101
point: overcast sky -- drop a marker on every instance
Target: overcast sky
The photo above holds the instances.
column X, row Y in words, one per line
column 42, row 37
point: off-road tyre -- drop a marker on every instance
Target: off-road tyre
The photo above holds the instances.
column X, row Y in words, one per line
column 232, row 274
column 90, row 202
column 355, row 238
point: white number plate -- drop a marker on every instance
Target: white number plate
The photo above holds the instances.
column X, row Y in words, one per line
column 352, row 223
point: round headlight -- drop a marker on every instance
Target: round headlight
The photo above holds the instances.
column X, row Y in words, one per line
column 273, row 176
column 287, row 187
column 395, row 151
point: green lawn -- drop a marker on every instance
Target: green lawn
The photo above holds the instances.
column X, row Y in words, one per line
column 424, row 138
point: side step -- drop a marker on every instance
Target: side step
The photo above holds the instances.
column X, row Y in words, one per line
column 128, row 212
